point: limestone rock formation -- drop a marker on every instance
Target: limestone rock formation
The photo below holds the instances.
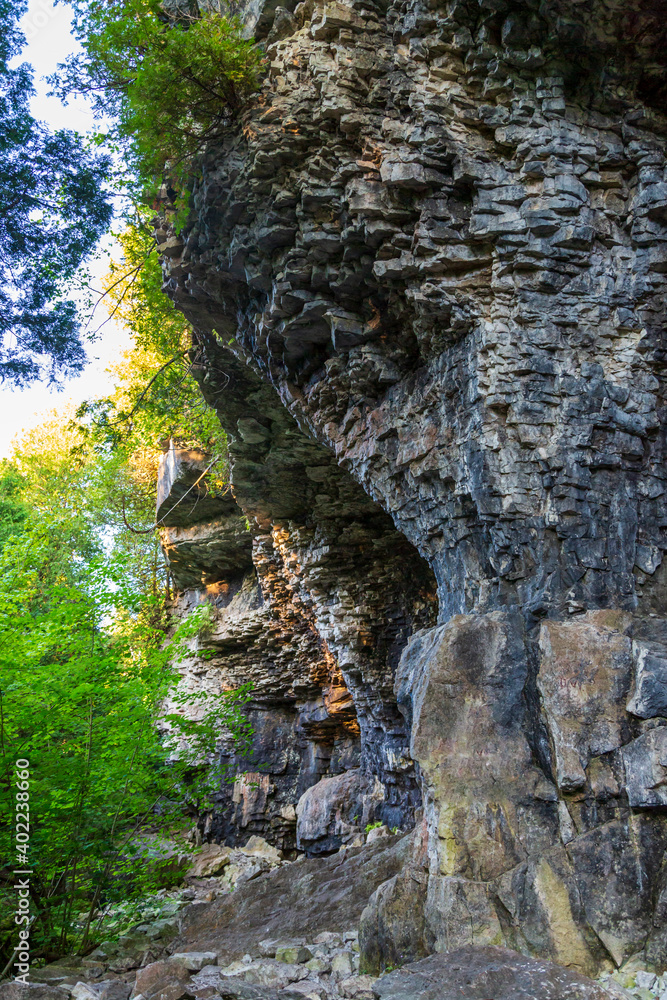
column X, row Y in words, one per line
column 426, row 276
column 477, row 973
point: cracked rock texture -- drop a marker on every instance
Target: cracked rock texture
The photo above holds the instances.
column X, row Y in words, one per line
column 426, row 276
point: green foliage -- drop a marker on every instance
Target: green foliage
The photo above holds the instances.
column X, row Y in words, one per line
column 13, row 509
column 89, row 671
column 89, row 659
column 373, row 826
column 156, row 397
column 171, row 81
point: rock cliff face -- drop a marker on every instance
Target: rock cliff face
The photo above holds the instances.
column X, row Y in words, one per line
column 426, row 275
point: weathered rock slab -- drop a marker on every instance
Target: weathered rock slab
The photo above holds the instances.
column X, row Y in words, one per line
column 482, row 973
column 585, row 673
column 645, row 761
column 15, row 990
column 317, row 894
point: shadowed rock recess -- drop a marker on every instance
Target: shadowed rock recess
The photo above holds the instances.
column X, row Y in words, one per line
column 426, row 272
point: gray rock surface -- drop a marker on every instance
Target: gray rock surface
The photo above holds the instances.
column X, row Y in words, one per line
column 430, row 261
column 164, row 980
column 312, row 895
column 14, row 990
column 479, row 973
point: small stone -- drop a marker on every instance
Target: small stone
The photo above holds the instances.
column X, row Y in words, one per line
column 211, row 860
column 234, row 968
column 196, row 960
column 614, row 989
column 329, row 939
column 357, row 987
column 93, row 967
column 269, row 972
column 646, row 980
column 259, row 847
column 104, row 951
column 310, row 990
column 341, row 965
column 293, row 955
column 162, row 981
column 112, row 989
column 377, row 832
column 162, row 929
column 83, row 991
column 269, row 946
column 319, row 965
column 350, row 935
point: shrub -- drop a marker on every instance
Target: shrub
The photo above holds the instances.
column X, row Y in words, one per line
column 172, row 81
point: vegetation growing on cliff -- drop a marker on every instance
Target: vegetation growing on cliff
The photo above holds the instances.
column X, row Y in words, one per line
column 170, row 78
column 156, row 397
column 88, row 652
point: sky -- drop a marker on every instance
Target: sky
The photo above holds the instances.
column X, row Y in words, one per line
column 47, row 29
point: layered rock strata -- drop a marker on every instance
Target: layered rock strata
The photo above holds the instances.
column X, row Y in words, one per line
column 313, row 614
column 426, row 275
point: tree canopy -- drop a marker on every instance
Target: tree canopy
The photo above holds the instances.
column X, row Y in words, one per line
column 53, row 210
column 171, row 75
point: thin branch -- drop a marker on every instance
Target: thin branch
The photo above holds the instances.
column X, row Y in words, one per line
column 136, row 406
column 135, row 274
column 146, row 531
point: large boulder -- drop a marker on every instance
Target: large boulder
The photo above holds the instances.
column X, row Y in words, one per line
column 334, row 811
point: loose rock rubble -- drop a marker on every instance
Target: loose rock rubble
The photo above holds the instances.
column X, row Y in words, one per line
column 242, row 939
column 142, row 935
column 326, row 967
column 638, row 984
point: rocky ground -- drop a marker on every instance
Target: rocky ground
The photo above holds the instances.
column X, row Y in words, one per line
column 248, row 925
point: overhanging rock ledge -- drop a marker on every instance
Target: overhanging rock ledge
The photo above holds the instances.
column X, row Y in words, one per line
column 426, row 273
